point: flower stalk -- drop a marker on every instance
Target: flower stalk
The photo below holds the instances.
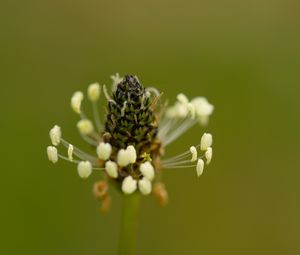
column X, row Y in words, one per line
column 128, row 228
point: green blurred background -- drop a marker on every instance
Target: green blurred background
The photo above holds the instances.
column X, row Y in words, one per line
column 243, row 55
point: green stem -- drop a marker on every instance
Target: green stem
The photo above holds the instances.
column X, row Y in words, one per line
column 129, row 221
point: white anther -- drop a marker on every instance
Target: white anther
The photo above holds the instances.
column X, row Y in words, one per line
column 131, row 154
column 111, row 169
column 85, row 126
column 122, row 158
column 200, row 167
column 84, row 169
column 104, row 151
column 94, row 91
column 206, row 141
column 182, row 98
column 52, row 154
column 147, row 170
column 145, row 186
column 208, row 155
column 129, row 185
column 70, row 152
column 193, row 150
column 76, row 101
column 55, row 135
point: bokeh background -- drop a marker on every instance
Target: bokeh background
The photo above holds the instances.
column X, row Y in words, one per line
column 243, row 55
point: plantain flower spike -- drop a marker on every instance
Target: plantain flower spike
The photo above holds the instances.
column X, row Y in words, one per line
column 130, row 140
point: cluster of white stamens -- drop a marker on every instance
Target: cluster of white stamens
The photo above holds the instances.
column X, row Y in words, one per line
column 182, row 161
column 177, row 119
column 183, row 115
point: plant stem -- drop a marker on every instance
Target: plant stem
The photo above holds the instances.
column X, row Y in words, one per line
column 127, row 241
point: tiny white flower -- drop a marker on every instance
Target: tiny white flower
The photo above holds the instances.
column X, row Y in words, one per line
column 70, row 152
column 55, row 135
column 147, row 170
column 111, row 169
column 104, row 151
column 206, row 141
column 129, row 185
column 131, row 154
column 145, row 186
column 208, row 155
column 203, row 109
column 84, row 169
column 122, row 158
column 193, row 150
column 52, row 154
column 182, row 98
column 85, row 126
column 94, row 91
column 76, row 101
column 200, row 167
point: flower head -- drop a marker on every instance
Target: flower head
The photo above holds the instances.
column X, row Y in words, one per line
column 130, row 141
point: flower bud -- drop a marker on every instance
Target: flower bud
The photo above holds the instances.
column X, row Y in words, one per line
column 111, row 169
column 145, row 186
column 206, row 141
column 93, row 92
column 55, row 135
column 52, row 154
column 129, row 185
column 147, row 170
column 84, row 169
column 104, row 151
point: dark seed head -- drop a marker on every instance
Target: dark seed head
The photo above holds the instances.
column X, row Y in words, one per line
column 130, row 119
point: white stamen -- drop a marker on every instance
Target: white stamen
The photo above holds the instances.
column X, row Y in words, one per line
column 206, row 141
column 106, row 93
column 52, row 154
column 55, row 135
column 85, row 126
column 178, row 131
column 93, row 92
column 111, row 169
column 76, row 101
column 145, row 186
column 129, row 185
column 84, row 169
column 104, row 151
column 79, row 153
column 208, row 155
column 200, row 167
column 70, row 152
column 152, row 90
column 122, row 158
column 116, row 80
column 193, row 150
column 147, row 170
column 131, row 154
column 192, row 110
column 203, row 109
column 182, row 98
